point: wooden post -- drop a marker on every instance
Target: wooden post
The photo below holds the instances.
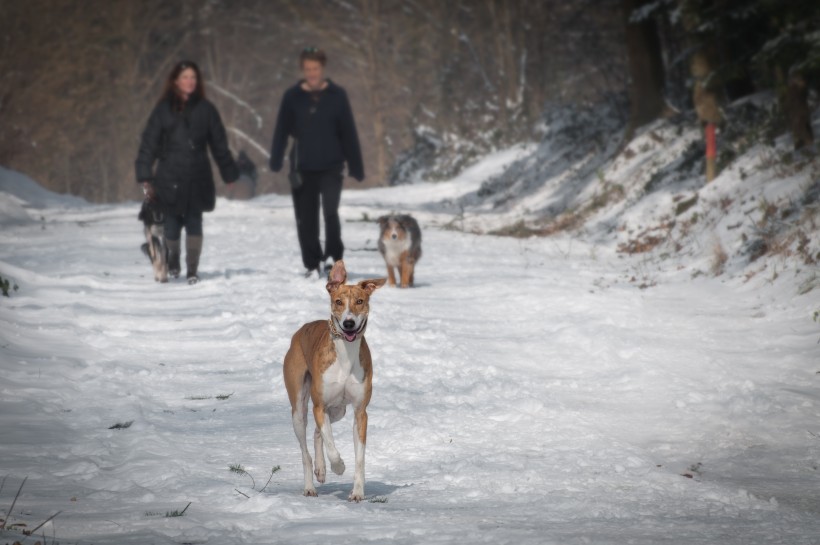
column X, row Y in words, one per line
column 711, row 152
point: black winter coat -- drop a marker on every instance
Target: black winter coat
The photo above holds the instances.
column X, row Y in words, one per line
column 325, row 132
column 178, row 142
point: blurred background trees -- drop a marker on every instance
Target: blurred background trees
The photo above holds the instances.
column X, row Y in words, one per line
column 434, row 85
column 731, row 49
column 78, row 79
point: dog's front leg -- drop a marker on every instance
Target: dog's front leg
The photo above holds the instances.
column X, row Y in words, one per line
column 300, row 427
column 405, row 270
column 323, row 423
column 391, row 275
column 163, row 256
column 152, row 251
column 319, row 454
column 359, row 442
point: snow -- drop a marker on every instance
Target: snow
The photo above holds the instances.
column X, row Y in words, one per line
column 525, row 392
column 756, row 220
column 437, row 197
column 17, row 186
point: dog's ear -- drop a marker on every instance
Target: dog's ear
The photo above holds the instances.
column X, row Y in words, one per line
column 383, row 221
column 372, row 285
column 337, row 277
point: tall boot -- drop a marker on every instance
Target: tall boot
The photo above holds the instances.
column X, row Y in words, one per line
column 174, row 247
column 193, row 249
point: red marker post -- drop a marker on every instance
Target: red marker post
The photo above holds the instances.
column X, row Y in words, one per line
column 711, row 151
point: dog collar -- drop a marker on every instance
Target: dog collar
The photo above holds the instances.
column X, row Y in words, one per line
column 333, row 331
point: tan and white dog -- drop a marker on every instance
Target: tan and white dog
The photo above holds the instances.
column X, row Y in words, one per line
column 329, row 363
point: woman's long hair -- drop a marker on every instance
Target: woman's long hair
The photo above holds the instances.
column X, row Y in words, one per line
column 170, row 90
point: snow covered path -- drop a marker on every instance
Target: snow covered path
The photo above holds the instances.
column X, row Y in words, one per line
column 522, row 393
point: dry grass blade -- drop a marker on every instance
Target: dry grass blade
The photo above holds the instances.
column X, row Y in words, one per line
column 14, row 502
column 46, row 521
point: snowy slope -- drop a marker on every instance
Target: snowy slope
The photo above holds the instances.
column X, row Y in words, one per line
column 647, row 198
column 524, row 393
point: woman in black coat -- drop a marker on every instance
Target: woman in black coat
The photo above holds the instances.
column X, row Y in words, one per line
column 181, row 128
column 316, row 114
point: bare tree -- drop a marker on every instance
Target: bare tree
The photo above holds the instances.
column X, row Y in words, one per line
column 646, row 86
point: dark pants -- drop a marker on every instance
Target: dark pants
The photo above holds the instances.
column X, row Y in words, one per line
column 327, row 185
column 192, row 221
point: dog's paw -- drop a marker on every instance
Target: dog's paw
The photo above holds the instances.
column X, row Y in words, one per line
column 355, row 496
column 320, row 473
column 311, row 493
column 338, row 467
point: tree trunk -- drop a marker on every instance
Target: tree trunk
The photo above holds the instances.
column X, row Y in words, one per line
column 707, row 105
column 645, row 68
column 373, row 43
column 705, row 89
column 798, row 112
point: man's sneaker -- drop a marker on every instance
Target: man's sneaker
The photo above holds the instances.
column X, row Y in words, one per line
column 313, row 274
column 193, row 280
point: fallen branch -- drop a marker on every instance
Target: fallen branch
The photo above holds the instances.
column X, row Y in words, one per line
column 45, row 521
column 2, row 526
column 225, row 92
column 250, row 141
column 272, row 471
column 239, row 470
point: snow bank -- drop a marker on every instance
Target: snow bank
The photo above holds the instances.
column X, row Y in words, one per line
column 31, row 194
column 647, row 199
column 12, row 211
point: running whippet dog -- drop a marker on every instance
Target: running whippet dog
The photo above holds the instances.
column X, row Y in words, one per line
column 329, row 362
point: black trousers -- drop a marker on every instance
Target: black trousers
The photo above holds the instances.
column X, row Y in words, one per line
column 192, row 222
column 319, row 187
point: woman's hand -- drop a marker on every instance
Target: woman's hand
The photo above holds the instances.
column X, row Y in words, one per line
column 148, row 190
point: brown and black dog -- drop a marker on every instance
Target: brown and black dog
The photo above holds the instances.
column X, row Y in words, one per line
column 329, row 363
column 400, row 246
column 152, row 215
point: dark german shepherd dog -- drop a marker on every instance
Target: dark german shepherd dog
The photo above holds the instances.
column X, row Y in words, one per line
column 152, row 215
